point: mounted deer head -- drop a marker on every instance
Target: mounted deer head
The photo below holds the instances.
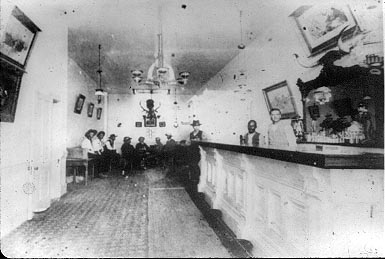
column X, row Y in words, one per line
column 151, row 112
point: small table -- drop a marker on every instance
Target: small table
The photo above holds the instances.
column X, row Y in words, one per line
column 76, row 162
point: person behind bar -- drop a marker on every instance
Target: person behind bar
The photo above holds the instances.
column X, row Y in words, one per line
column 252, row 137
column 197, row 134
column 280, row 134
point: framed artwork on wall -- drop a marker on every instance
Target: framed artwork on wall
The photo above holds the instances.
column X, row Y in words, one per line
column 150, row 122
column 279, row 96
column 90, row 110
column 79, row 104
column 10, row 81
column 98, row 113
column 320, row 25
column 17, row 39
column 138, row 124
column 162, row 124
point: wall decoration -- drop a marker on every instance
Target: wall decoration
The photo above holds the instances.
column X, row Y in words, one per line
column 138, row 124
column 79, row 104
column 149, row 122
column 17, row 39
column 99, row 113
column 90, row 110
column 320, row 25
column 162, row 124
column 279, row 96
column 10, row 80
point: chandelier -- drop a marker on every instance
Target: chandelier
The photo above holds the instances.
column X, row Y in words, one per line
column 160, row 73
column 99, row 91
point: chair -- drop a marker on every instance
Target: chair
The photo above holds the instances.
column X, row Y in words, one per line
column 78, row 157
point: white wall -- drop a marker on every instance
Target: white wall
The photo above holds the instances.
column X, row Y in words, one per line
column 77, row 124
column 267, row 61
column 125, row 109
column 47, row 74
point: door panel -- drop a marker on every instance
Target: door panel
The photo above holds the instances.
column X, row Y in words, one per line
column 41, row 153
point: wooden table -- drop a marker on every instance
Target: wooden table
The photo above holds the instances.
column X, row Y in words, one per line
column 76, row 162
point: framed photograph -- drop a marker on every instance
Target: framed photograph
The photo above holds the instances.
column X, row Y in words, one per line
column 162, row 124
column 10, row 81
column 150, row 122
column 138, row 124
column 279, row 96
column 90, row 110
column 320, row 25
column 17, row 39
column 79, row 103
column 98, row 113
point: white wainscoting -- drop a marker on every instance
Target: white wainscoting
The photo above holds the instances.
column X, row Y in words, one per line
column 288, row 210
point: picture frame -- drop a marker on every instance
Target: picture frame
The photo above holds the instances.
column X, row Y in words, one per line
column 162, row 124
column 98, row 113
column 320, row 25
column 138, row 124
column 280, row 96
column 90, row 109
column 150, row 122
column 17, row 39
column 10, row 82
column 79, row 104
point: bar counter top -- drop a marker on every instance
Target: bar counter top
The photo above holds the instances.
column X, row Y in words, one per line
column 322, row 156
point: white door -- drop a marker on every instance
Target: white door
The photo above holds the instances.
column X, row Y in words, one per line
column 41, row 153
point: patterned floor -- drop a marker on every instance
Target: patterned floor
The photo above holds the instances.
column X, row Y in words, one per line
column 115, row 217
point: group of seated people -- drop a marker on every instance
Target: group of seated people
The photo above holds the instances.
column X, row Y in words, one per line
column 105, row 156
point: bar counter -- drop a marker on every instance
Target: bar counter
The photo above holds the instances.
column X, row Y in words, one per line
column 308, row 201
column 318, row 155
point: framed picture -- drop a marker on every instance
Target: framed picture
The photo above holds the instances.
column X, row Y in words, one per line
column 10, row 81
column 98, row 113
column 279, row 96
column 90, row 110
column 138, row 124
column 150, row 122
column 320, row 25
column 17, row 39
column 162, row 124
column 79, row 103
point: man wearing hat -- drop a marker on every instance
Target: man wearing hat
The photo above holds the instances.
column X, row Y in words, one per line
column 197, row 134
column 195, row 155
column 128, row 155
column 92, row 153
column 112, row 155
column 169, row 151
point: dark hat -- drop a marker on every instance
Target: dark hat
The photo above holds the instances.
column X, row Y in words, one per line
column 168, row 134
column 113, row 136
column 195, row 123
column 101, row 132
column 126, row 138
column 90, row 131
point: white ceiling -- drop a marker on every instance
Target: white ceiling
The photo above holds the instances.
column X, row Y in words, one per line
column 200, row 38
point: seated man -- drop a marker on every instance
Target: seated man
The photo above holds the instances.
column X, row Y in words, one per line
column 111, row 154
column 141, row 151
column 128, row 155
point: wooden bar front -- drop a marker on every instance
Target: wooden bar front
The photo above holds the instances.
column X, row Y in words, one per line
column 304, row 202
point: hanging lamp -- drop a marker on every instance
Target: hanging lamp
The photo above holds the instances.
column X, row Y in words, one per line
column 99, row 91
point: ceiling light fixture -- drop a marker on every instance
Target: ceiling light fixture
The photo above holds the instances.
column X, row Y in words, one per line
column 99, row 91
column 241, row 45
column 160, row 73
